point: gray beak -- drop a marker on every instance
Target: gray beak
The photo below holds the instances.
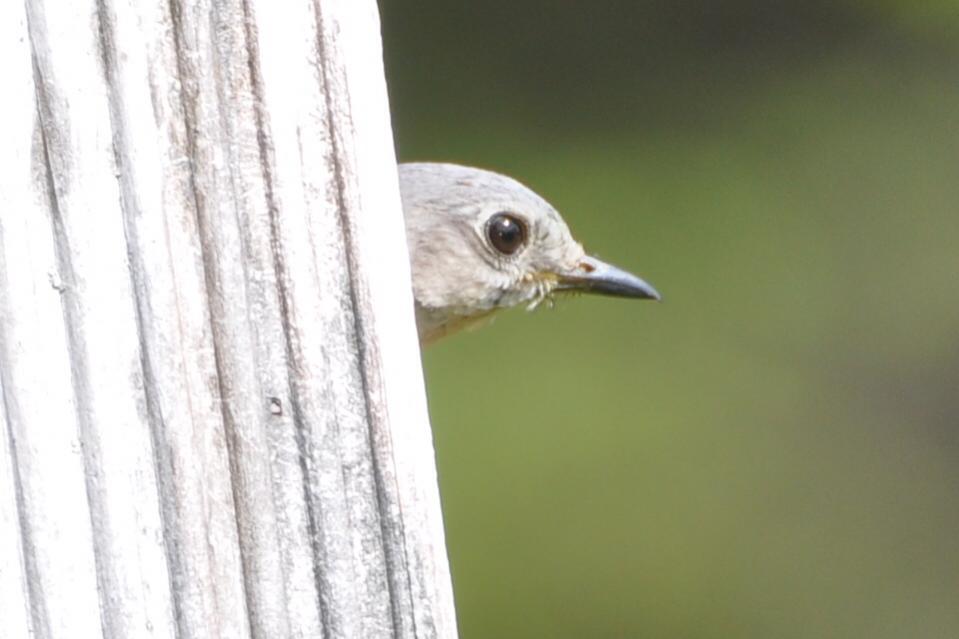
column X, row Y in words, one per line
column 595, row 276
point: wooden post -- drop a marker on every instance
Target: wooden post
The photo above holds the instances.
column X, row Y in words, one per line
column 214, row 422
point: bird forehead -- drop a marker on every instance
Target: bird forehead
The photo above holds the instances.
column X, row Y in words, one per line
column 492, row 197
column 469, row 189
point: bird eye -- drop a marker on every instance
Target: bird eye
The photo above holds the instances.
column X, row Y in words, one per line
column 507, row 233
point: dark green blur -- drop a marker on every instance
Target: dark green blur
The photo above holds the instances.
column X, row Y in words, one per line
column 773, row 451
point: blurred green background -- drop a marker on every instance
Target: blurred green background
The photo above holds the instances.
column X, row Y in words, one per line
column 774, row 450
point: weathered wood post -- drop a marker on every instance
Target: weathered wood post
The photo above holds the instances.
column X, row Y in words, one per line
column 214, row 422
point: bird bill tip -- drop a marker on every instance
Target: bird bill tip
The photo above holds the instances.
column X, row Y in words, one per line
column 592, row 275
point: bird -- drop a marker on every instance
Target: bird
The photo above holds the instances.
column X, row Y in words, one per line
column 480, row 242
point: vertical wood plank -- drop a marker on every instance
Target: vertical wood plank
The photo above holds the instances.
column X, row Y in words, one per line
column 46, row 499
column 213, row 409
column 403, row 444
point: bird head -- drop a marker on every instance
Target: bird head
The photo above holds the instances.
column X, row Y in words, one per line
column 480, row 241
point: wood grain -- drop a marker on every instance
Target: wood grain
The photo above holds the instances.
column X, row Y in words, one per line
column 213, row 408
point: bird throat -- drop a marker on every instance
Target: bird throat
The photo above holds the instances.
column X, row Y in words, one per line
column 434, row 326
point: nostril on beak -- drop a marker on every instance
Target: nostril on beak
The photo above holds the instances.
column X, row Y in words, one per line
column 593, row 276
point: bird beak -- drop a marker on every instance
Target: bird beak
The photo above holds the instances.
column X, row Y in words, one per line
column 595, row 276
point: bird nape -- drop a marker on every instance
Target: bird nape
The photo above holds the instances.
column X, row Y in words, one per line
column 480, row 241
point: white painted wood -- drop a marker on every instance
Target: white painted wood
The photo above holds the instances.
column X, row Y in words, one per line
column 42, row 418
column 213, row 409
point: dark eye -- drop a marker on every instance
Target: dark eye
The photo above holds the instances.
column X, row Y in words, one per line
column 507, row 233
